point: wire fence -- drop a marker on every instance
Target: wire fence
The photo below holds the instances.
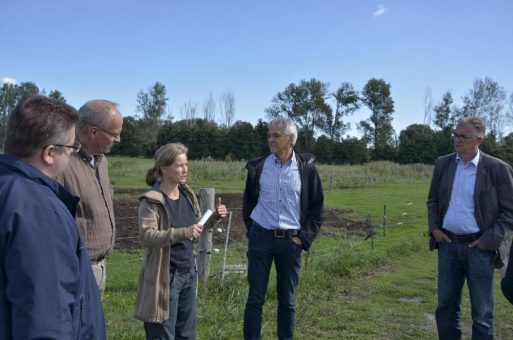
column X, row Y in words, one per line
column 229, row 243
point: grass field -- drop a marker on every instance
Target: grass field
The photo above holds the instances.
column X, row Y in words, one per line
column 380, row 288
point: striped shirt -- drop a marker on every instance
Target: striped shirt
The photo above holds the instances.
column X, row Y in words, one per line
column 278, row 204
column 460, row 218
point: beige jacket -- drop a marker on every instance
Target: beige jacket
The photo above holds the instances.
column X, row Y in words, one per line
column 152, row 302
column 95, row 211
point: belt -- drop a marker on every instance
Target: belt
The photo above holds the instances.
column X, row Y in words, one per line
column 462, row 238
column 182, row 270
column 279, row 232
column 284, row 232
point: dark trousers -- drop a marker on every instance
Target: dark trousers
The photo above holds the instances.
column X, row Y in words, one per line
column 507, row 281
column 263, row 248
column 182, row 310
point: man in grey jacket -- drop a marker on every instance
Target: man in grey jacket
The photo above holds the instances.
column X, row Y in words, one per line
column 470, row 214
column 98, row 128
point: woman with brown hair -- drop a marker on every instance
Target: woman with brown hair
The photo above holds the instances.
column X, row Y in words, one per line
column 168, row 215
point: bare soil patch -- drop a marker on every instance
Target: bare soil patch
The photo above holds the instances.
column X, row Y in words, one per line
column 125, row 210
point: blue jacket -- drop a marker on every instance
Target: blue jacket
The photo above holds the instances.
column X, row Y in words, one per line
column 47, row 287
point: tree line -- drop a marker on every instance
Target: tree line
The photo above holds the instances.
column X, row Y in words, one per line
column 321, row 114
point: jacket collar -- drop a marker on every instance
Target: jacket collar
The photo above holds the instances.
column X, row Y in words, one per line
column 24, row 169
column 156, row 195
column 87, row 157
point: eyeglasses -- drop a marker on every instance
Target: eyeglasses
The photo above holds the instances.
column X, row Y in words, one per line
column 113, row 135
column 463, row 137
column 276, row 135
column 74, row 148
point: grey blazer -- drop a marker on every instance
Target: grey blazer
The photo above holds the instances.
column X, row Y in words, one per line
column 493, row 201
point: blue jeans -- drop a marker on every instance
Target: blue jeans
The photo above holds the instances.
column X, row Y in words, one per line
column 457, row 262
column 182, row 310
column 263, row 248
column 507, row 281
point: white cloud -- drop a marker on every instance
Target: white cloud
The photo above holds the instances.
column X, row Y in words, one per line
column 380, row 11
column 7, row 80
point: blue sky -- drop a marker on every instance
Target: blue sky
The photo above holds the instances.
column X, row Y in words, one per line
column 113, row 49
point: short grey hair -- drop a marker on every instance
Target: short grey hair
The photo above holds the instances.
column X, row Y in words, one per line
column 95, row 112
column 287, row 125
column 477, row 122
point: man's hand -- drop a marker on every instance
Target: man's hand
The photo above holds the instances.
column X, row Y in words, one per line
column 297, row 241
column 478, row 244
column 440, row 236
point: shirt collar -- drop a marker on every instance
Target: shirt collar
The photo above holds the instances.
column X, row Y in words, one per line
column 87, row 157
column 277, row 161
column 474, row 160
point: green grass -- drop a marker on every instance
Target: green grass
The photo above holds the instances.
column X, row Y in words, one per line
column 128, row 172
column 350, row 288
column 226, row 177
column 119, row 297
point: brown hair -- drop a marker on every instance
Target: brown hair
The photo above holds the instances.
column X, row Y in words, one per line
column 36, row 122
column 164, row 156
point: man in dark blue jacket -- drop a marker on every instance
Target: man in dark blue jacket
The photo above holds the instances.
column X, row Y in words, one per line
column 283, row 212
column 47, row 288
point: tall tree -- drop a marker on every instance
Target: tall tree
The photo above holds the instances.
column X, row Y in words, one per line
column 189, row 112
column 152, row 104
column 227, row 106
column 209, row 108
column 306, row 105
column 428, row 104
column 444, row 117
column 486, row 99
column 346, row 102
column 56, row 94
column 10, row 95
column 378, row 128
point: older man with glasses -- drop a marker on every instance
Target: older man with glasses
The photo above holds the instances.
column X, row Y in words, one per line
column 99, row 127
column 470, row 215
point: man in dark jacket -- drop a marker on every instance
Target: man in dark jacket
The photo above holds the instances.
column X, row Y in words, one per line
column 283, row 212
column 470, row 215
column 47, row 288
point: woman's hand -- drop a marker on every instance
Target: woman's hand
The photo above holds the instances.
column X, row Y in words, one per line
column 194, row 231
column 221, row 210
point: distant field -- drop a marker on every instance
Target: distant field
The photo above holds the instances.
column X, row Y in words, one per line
column 231, row 176
column 382, row 286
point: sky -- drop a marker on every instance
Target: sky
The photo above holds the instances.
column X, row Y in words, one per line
column 114, row 49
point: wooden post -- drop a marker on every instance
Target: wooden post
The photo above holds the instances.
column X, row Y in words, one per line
column 207, row 199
